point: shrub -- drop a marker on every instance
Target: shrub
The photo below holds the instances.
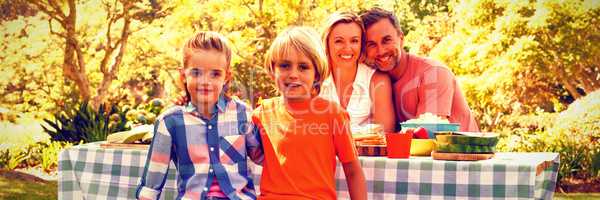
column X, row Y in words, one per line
column 145, row 113
column 4, row 157
column 42, row 154
column 573, row 133
column 49, row 154
column 83, row 123
column 576, row 132
column 11, row 158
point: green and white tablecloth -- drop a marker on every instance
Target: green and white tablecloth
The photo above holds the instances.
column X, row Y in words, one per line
column 89, row 171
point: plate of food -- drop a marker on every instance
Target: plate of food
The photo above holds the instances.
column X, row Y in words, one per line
column 370, row 140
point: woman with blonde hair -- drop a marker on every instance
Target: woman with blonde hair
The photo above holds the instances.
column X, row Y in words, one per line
column 363, row 91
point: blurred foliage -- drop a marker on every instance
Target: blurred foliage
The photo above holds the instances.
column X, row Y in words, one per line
column 519, row 63
column 40, row 154
column 574, row 133
column 145, row 113
column 516, row 57
column 80, row 122
column 595, row 169
column 11, row 158
column 32, row 78
column 49, row 154
column 44, row 154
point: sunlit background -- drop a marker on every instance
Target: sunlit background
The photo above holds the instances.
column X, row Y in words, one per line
column 83, row 69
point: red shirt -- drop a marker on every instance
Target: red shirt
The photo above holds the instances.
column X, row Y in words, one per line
column 429, row 86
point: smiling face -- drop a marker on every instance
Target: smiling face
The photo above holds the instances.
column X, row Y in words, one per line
column 383, row 46
column 204, row 76
column 344, row 44
column 294, row 74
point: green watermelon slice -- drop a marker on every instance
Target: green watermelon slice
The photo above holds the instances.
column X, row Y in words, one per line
column 461, row 148
column 469, row 138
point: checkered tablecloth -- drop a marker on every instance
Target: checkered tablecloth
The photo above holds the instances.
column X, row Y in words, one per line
column 89, row 171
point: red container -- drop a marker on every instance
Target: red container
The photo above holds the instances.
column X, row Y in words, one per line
column 398, row 144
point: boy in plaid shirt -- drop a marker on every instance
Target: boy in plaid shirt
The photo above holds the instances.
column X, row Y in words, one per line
column 209, row 138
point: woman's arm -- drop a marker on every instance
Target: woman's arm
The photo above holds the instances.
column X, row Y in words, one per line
column 383, row 106
column 355, row 178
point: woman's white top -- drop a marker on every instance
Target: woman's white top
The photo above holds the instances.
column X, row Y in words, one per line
column 360, row 105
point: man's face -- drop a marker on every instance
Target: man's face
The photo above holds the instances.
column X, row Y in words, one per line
column 384, row 45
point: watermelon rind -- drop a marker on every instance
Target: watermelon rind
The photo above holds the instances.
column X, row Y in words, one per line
column 460, row 148
column 467, row 140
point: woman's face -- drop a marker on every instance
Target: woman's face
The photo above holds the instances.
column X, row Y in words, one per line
column 344, row 44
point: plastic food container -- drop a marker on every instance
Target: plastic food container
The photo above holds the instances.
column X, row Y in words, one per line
column 432, row 128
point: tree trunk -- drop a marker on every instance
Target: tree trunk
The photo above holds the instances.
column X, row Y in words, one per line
column 74, row 63
column 74, row 66
column 570, row 88
column 109, row 73
column 588, row 78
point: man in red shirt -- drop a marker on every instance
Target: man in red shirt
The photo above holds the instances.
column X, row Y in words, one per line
column 420, row 85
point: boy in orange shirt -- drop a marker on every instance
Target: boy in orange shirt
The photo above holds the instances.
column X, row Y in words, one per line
column 302, row 133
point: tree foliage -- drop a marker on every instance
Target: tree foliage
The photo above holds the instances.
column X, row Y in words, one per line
column 517, row 57
column 127, row 52
column 510, row 57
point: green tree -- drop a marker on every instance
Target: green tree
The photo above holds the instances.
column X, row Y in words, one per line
column 516, row 57
column 251, row 26
column 30, row 74
column 98, row 56
column 112, row 43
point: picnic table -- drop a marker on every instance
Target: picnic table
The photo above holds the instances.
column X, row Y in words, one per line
column 89, row 171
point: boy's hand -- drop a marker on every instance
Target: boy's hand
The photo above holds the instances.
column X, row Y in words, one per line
column 180, row 100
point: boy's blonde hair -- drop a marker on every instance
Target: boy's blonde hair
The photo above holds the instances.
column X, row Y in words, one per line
column 343, row 17
column 304, row 40
column 206, row 40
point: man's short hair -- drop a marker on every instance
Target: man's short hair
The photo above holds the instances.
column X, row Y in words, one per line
column 373, row 15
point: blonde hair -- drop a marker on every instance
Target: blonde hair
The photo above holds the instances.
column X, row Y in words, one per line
column 343, row 17
column 206, row 40
column 304, row 40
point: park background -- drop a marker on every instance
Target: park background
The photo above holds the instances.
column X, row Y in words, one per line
column 74, row 71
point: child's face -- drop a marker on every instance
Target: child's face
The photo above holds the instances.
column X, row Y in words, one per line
column 205, row 74
column 294, row 75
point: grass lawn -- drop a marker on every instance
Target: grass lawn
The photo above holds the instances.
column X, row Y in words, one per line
column 18, row 186
column 28, row 188
column 577, row 196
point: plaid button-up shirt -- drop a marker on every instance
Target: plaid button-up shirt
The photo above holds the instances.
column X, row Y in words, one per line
column 203, row 150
